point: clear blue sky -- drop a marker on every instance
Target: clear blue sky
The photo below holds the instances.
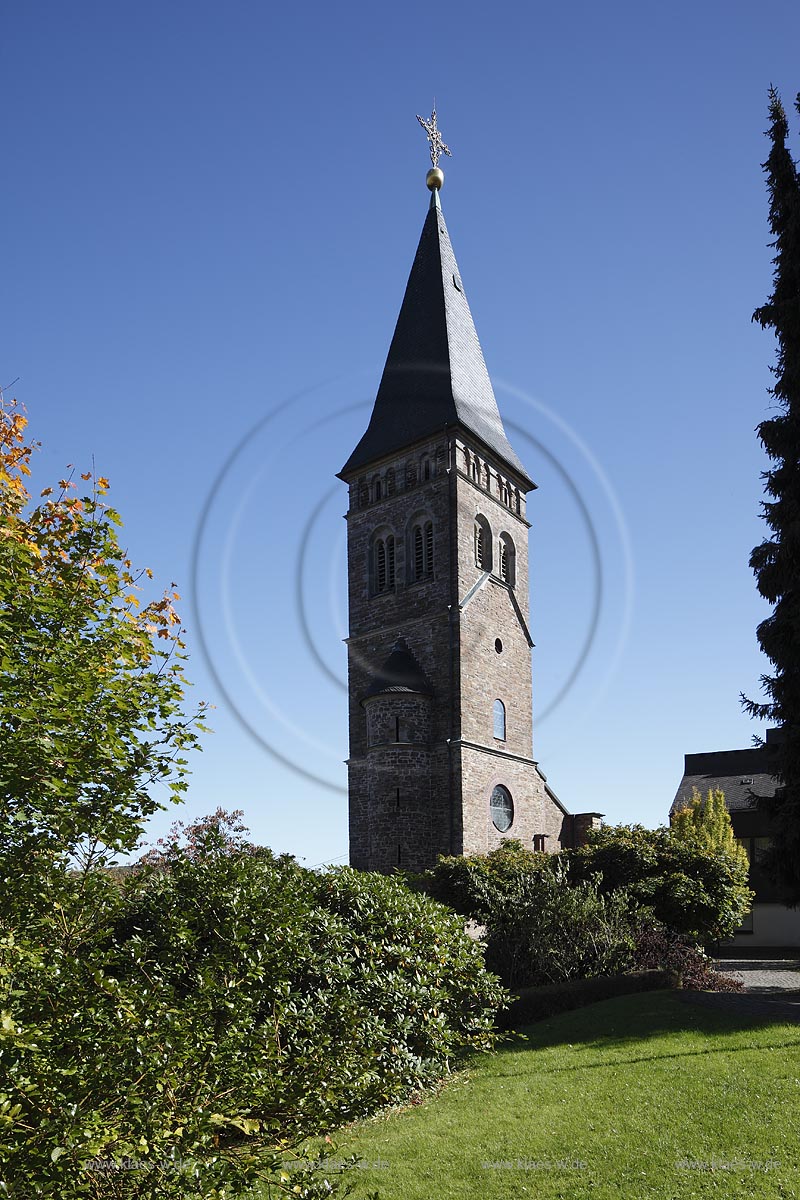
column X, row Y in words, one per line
column 210, row 212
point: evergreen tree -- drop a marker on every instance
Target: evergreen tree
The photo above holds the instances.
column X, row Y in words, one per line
column 707, row 823
column 776, row 561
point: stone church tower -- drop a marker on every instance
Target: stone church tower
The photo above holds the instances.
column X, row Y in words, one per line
column 441, row 727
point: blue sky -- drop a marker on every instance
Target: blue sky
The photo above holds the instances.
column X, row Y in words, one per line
column 210, row 215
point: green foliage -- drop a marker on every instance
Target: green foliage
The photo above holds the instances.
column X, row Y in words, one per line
column 231, row 1005
column 690, row 888
column 177, row 1030
column 539, row 926
column 776, row 561
column 707, row 823
column 91, row 684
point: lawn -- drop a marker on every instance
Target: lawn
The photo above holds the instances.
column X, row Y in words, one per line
column 641, row 1096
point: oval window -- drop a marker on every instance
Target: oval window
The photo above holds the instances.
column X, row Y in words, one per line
column 502, row 808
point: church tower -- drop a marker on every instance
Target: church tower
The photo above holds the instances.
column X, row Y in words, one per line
column 441, row 726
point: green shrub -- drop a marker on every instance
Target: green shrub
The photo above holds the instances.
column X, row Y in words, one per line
column 695, row 890
column 227, row 1006
column 538, row 927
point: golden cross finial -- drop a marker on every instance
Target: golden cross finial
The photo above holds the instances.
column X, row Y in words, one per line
column 438, row 147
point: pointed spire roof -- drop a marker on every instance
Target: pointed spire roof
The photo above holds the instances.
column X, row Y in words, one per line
column 435, row 375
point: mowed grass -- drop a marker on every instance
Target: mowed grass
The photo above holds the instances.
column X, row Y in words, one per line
column 642, row 1096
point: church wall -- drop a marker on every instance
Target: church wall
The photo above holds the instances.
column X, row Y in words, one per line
column 418, row 611
column 534, row 811
column 415, row 609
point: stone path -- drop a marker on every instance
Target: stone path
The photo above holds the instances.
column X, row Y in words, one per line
column 772, row 989
column 763, row 975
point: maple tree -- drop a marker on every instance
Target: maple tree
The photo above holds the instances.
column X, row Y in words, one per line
column 91, row 680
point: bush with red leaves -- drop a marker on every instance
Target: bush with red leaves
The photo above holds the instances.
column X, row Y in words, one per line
column 660, row 949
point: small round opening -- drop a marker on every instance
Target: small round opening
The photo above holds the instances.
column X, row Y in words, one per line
column 498, row 645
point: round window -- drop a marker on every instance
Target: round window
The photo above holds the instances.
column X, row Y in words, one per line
column 502, row 808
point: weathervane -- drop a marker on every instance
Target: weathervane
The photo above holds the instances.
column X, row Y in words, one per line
column 438, row 147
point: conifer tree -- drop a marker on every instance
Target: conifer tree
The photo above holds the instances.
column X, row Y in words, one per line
column 776, row 561
column 707, row 823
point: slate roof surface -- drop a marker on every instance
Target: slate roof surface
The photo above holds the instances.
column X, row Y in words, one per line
column 400, row 673
column 435, row 375
column 743, row 775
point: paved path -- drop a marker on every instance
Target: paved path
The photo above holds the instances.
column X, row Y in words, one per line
column 771, row 989
column 764, row 976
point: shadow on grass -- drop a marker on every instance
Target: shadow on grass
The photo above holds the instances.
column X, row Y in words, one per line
column 612, row 1024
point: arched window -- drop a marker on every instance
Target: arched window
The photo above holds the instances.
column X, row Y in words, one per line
column 507, row 563
column 501, row 808
column 377, row 488
column 382, row 572
column 483, row 544
column 487, row 477
column 390, row 482
column 467, row 459
column 476, row 469
column 425, row 467
column 363, row 493
column 499, row 717
column 422, row 549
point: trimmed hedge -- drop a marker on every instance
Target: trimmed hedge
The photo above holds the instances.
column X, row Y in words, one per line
column 537, row 1003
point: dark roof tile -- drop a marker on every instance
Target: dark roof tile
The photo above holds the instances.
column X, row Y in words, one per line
column 435, row 375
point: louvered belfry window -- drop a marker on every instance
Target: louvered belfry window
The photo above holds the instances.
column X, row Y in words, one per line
column 480, row 546
column 419, row 553
column 390, row 562
column 383, row 578
column 429, row 548
column 380, row 581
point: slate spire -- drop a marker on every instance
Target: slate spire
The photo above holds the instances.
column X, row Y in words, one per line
column 435, row 375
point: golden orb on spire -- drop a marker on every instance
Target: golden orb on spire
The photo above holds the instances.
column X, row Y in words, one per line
column 435, row 178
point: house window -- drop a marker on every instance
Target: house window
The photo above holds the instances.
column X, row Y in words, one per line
column 499, row 714
column 501, row 808
column 538, row 843
column 507, row 559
